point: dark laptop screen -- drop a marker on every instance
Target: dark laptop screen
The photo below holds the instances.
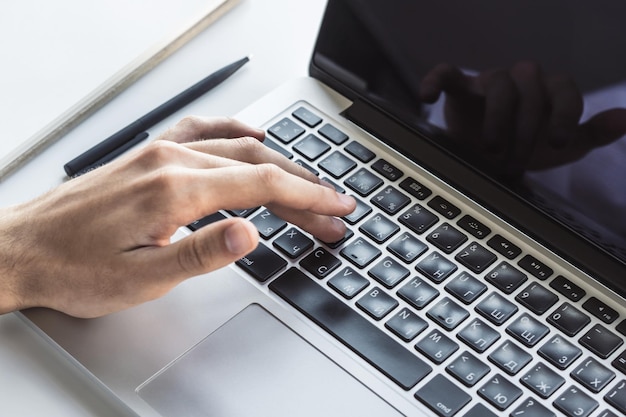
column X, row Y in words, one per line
column 531, row 93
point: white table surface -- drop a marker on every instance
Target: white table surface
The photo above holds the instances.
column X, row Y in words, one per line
column 35, row 380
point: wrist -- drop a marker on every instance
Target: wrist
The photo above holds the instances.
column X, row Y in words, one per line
column 9, row 261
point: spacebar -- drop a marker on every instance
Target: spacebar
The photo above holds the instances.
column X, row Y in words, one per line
column 352, row 329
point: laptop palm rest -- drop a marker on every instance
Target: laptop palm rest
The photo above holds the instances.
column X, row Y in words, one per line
column 278, row 374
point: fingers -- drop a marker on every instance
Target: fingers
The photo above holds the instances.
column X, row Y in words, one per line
column 250, row 151
column 195, row 128
column 246, row 186
column 444, row 78
column 566, row 109
column 530, row 116
column 209, row 248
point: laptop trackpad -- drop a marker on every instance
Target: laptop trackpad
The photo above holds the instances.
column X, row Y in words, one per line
column 256, row 366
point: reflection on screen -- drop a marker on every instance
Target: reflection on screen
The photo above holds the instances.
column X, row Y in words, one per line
column 532, row 93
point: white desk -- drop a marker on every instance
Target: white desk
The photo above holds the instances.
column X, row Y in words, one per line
column 34, row 379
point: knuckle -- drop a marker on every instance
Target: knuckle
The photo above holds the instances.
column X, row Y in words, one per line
column 190, row 124
column 157, row 153
column 269, row 174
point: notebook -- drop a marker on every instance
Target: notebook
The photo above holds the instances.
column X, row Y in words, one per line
column 60, row 72
column 474, row 279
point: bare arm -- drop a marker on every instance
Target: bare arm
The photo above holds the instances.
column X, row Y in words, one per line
column 101, row 242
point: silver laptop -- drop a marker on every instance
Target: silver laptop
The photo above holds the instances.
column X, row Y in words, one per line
column 483, row 273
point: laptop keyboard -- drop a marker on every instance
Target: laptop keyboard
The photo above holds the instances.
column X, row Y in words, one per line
column 443, row 304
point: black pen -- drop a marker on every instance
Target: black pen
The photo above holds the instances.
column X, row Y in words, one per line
column 100, row 154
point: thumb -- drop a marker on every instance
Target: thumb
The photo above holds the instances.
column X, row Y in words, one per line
column 212, row 247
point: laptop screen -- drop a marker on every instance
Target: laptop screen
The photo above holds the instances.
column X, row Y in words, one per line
column 530, row 94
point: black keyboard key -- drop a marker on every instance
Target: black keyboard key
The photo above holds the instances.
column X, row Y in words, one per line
column 499, row 392
column 560, row 352
column 446, row 238
column 447, row 313
column 211, row 218
column 268, row 224
column 418, row 219
column 407, row 247
column 496, row 308
column 506, row 277
column 360, row 252
column 363, row 182
column 337, row 164
column 377, row 303
column 348, row 282
column 360, row 152
column 601, row 341
column 478, row 335
column 278, row 148
column 535, row 267
column 537, row 298
column 379, row 228
column 293, row 243
column 504, row 247
column 436, row 267
column 442, row 396
column 475, row 257
column 436, row 346
column 346, row 236
column 243, row 212
column 619, row 362
column 336, row 186
column 479, row 410
column 311, row 147
column 467, row 369
column 617, row 397
column 465, row 287
column 307, row 167
column 533, row 408
column 306, row 116
column 621, row 327
column 351, row 329
column 444, row 207
column 473, row 227
column 418, row 293
column 567, row 288
column 359, row 212
column 527, row 330
column 333, row 134
column 510, row 358
column 320, row 263
column 575, row 403
column 568, row 319
column 286, row 130
column 406, row 325
column 415, row 188
column 388, row 272
column 600, row 310
column 387, row 170
column 262, row 263
column 390, row 200
column 592, row 375
column 542, row 380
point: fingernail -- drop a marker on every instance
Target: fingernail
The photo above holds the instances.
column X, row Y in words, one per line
column 238, row 239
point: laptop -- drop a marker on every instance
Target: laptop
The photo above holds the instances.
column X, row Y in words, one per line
column 484, row 269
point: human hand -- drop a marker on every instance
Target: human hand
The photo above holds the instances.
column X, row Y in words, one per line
column 520, row 117
column 100, row 243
